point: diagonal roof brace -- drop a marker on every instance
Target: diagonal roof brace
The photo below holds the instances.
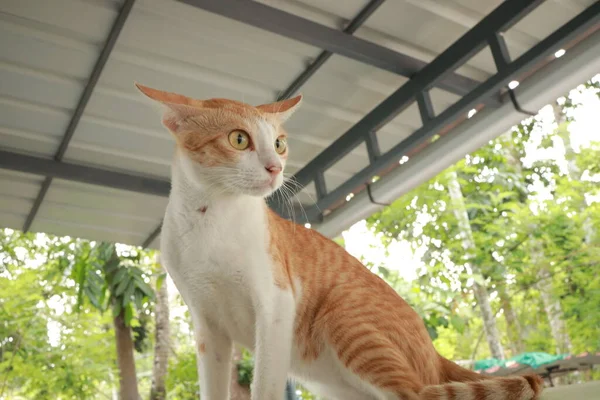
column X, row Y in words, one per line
column 339, row 42
column 318, row 62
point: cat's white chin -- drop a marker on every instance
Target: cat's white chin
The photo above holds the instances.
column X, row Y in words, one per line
column 263, row 190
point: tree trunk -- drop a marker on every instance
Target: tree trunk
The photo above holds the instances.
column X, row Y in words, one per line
column 238, row 392
column 481, row 294
column 573, row 169
column 514, row 327
column 515, row 332
column 128, row 389
column 161, row 345
column 552, row 305
column 554, row 311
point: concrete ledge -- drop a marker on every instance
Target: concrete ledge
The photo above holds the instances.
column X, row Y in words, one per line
column 582, row 391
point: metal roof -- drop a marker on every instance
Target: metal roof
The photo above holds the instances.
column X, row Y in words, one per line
column 82, row 154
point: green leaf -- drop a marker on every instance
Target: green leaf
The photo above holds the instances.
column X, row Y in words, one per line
column 128, row 314
column 110, row 266
column 107, row 251
column 139, row 299
column 134, row 323
column 384, row 271
column 160, row 280
column 102, row 298
column 477, row 206
column 128, row 293
column 80, row 275
column 511, row 206
column 122, row 285
column 458, row 323
column 119, row 275
column 116, row 309
column 143, row 286
column 432, row 332
column 478, row 278
column 92, row 297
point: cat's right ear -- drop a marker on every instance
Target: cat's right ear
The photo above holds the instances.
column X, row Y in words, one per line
column 178, row 108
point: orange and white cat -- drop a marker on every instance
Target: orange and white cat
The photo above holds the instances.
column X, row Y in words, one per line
column 300, row 302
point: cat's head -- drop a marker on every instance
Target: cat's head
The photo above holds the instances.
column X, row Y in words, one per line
column 225, row 145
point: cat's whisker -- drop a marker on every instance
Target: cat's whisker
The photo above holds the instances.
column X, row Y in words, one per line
column 292, row 194
column 288, row 203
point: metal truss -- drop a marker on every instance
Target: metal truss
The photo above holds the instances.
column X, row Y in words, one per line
column 488, row 32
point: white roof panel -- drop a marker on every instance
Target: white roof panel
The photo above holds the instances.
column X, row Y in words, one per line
column 48, row 51
column 17, row 194
column 101, row 212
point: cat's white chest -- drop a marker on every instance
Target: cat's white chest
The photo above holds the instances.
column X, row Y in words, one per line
column 217, row 260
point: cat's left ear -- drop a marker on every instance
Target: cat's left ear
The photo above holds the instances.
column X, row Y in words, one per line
column 179, row 108
column 282, row 110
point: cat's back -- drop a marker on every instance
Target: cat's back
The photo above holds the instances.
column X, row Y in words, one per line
column 344, row 306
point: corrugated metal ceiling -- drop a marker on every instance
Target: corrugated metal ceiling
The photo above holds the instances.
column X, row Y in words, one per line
column 48, row 51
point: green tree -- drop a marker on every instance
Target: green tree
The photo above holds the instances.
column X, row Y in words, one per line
column 117, row 283
column 162, row 341
column 525, row 220
column 47, row 350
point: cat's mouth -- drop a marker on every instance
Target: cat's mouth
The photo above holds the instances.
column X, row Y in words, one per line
column 266, row 187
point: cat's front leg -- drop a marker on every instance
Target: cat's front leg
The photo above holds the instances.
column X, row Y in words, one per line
column 213, row 357
column 274, row 337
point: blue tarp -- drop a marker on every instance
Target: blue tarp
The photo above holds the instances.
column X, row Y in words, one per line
column 533, row 359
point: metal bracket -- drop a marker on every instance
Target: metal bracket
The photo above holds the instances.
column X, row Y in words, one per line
column 373, row 200
column 513, row 99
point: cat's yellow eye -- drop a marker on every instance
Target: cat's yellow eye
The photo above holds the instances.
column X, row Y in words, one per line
column 280, row 145
column 239, row 140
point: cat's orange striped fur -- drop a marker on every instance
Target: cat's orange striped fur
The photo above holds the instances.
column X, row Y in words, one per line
column 352, row 336
column 374, row 332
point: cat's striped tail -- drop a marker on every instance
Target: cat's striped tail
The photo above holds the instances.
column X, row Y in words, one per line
column 468, row 385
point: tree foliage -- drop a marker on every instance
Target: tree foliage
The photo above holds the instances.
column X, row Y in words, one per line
column 515, row 195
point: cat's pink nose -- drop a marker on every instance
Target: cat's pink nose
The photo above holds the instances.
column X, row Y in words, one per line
column 273, row 169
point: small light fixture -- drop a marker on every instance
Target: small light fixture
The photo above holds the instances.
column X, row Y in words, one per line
column 513, row 84
column 307, row 225
column 471, row 113
column 403, row 160
column 349, row 197
column 560, row 53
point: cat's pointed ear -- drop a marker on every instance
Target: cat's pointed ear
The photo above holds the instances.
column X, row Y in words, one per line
column 179, row 108
column 282, row 110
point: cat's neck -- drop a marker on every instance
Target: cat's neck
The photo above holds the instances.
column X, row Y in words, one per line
column 191, row 197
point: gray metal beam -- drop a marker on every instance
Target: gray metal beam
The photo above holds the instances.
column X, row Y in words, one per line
column 353, row 25
column 285, row 24
column 84, row 174
column 587, row 21
column 152, row 236
column 425, row 106
column 97, row 176
column 83, row 101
